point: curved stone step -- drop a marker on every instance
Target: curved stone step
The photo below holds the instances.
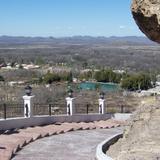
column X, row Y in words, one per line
column 28, row 137
column 29, row 132
column 91, row 125
column 67, row 127
column 50, row 129
column 12, row 142
column 116, row 123
column 75, row 126
column 54, row 129
column 5, row 155
column 38, row 130
column 104, row 124
column 84, row 125
column 8, row 148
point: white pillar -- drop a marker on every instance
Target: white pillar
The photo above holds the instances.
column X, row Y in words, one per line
column 70, row 106
column 28, row 106
column 101, row 106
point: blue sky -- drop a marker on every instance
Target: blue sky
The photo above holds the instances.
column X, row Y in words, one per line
column 60, row 18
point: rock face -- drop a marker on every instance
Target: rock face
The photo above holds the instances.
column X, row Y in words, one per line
column 147, row 16
column 141, row 140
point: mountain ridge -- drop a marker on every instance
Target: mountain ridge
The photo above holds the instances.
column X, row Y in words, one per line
column 130, row 40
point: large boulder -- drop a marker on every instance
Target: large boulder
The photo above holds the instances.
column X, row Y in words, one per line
column 141, row 140
column 147, row 16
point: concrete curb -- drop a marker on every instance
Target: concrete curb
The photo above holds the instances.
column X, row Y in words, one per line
column 103, row 147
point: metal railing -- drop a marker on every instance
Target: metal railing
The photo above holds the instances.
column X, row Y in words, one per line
column 86, row 108
column 11, row 110
column 49, row 109
column 120, row 109
column 17, row 110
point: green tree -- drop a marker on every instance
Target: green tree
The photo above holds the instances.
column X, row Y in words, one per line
column 107, row 75
column 66, row 76
column 137, row 81
column 70, row 77
column 86, row 75
column 49, row 78
column 153, row 79
column 85, row 65
column 40, row 61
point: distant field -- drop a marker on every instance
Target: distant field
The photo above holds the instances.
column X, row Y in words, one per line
column 131, row 58
column 129, row 53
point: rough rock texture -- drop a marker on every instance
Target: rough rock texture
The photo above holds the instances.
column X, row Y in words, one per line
column 147, row 16
column 141, row 139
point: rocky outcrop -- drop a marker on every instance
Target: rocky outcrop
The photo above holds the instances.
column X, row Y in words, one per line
column 141, row 140
column 147, row 16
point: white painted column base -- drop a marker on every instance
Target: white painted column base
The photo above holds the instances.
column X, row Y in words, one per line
column 101, row 106
column 70, row 106
column 28, row 106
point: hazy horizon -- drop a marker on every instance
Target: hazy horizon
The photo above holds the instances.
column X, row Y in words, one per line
column 74, row 36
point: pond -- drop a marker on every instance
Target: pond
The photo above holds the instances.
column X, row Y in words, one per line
column 97, row 85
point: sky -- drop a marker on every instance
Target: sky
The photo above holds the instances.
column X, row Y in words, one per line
column 62, row 18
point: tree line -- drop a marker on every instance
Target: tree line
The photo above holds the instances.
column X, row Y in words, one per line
column 140, row 81
column 131, row 82
column 49, row 77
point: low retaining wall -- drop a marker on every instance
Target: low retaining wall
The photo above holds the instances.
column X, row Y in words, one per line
column 46, row 120
column 121, row 116
column 103, row 147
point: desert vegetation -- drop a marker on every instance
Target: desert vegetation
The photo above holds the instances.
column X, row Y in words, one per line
column 56, row 62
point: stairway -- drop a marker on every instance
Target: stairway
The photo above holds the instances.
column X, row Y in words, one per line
column 14, row 140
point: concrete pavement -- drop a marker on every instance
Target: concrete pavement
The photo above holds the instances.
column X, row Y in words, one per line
column 78, row 145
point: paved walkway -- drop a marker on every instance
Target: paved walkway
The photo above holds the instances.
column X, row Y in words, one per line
column 77, row 145
column 12, row 141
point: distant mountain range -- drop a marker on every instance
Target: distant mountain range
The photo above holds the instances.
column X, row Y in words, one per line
column 129, row 40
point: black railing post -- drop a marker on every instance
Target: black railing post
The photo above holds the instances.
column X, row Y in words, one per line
column 5, row 111
column 69, row 112
column 87, row 108
column 122, row 109
column 26, row 109
column 50, row 110
column 100, row 108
